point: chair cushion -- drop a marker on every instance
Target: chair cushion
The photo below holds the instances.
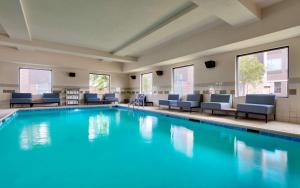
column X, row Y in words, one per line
column 90, row 95
column 109, row 95
column 194, row 97
column 51, row 95
column 223, row 98
column 189, row 104
column 260, row 99
column 256, row 108
column 215, row 105
column 20, row 101
column 173, row 97
column 173, row 103
column 51, row 100
column 21, row 95
column 164, row 102
column 92, row 100
column 113, row 99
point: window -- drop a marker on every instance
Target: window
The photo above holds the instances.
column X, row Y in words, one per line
column 183, row 80
column 99, row 83
column 146, row 83
column 263, row 72
column 35, row 81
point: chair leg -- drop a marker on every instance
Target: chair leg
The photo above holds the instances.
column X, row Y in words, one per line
column 266, row 118
column 236, row 115
column 246, row 115
column 212, row 112
column 274, row 116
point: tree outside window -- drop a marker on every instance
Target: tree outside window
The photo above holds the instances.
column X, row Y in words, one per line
column 263, row 73
column 99, row 83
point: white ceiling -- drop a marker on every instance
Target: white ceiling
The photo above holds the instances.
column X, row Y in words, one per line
column 117, row 28
column 98, row 24
column 266, row 3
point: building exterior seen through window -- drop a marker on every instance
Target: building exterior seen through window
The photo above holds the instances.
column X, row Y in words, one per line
column 263, row 73
column 35, row 81
column 146, row 83
column 183, row 80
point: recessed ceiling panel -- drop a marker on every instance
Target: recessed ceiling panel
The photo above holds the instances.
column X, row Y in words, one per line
column 99, row 24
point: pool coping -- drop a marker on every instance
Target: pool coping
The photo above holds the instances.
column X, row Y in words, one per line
column 236, row 126
column 199, row 119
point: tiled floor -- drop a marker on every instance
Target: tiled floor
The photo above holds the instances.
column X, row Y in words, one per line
column 282, row 128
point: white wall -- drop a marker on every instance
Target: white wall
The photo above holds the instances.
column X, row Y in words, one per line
column 288, row 109
column 9, row 79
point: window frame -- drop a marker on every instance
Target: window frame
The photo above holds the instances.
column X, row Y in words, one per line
column 173, row 68
column 109, row 82
column 141, row 83
column 263, row 51
column 51, row 80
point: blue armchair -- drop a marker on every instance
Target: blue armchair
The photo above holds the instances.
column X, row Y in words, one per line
column 51, row 98
column 171, row 101
column 21, row 98
column 110, row 98
column 261, row 104
column 218, row 102
column 91, row 98
column 192, row 101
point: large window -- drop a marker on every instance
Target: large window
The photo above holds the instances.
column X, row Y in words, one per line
column 183, row 80
column 146, row 83
column 35, row 81
column 263, row 73
column 99, row 83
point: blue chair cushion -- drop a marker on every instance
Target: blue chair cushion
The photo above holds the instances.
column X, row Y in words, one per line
column 92, row 100
column 51, row 95
column 51, row 100
column 223, row 98
column 90, row 95
column 194, row 97
column 189, row 104
column 20, row 101
column 21, row 98
column 109, row 95
column 173, row 97
column 256, row 108
column 267, row 99
column 215, row 105
column 21, row 95
column 164, row 102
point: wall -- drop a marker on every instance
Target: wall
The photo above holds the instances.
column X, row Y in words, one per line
column 9, row 79
column 288, row 109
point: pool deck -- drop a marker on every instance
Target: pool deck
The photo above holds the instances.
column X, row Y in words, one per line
column 276, row 127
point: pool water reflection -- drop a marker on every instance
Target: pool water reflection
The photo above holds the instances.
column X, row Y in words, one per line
column 115, row 147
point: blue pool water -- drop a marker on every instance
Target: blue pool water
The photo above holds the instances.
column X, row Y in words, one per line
column 114, row 147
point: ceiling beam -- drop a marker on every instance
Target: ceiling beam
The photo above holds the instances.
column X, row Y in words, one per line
column 14, row 20
column 276, row 18
column 234, row 12
column 64, row 49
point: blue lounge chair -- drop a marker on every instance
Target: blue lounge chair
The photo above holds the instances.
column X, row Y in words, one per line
column 172, row 101
column 91, row 98
column 21, row 99
column 49, row 98
column 192, row 101
column 110, row 98
column 261, row 104
column 218, row 102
